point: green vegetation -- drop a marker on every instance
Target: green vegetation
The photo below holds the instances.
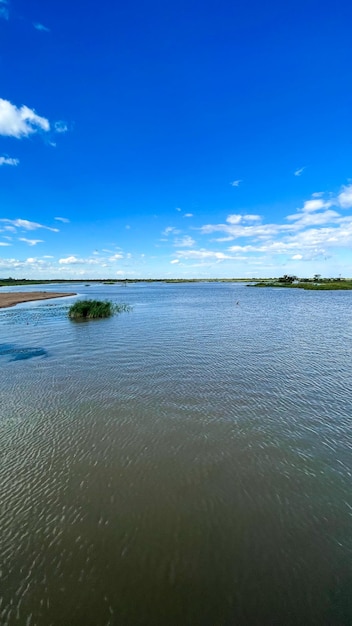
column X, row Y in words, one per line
column 284, row 281
column 317, row 283
column 95, row 309
column 13, row 282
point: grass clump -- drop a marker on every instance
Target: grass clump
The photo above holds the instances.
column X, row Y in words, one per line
column 95, row 309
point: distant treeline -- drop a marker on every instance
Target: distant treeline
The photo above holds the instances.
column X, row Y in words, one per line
column 109, row 281
column 316, row 282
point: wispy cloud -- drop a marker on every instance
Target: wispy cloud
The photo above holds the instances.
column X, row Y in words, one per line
column 188, row 215
column 4, row 243
column 20, row 122
column 310, row 233
column 184, row 242
column 27, row 225
column 60, row 126
column 236, row 183
column 237, row 218
column 31, row 242
column 170, row 230
column 8, row 161
column 4, row 9
column 41, row 27
column 203, row 254
column 74, row 260
column 299, row 172
column 313, row 219
column 174, row 261
column 64, row 220
column 116, row 257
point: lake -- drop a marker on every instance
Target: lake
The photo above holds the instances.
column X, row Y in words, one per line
column 188, row 463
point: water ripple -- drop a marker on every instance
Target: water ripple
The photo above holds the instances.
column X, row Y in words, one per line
column 185, row 464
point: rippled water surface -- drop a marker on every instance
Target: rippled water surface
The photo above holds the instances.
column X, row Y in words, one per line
column 187, row 463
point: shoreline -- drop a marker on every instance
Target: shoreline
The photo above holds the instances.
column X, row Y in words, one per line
column 9, row 299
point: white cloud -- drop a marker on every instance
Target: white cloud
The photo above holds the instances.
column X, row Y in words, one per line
column 116, row 257
column 4, row 11
column 222, row 239
column 252, row 218
column 313, row 219
column 318, row 231
column 310, row 234
column 74, row 260
column 8, row 161
column 20, row 122
column 345, row 197
column 235, row 229
column 185, row 242
column 60, row 126
column 4, row 243
column 315, row 205
column 70, row 260
column 236, row 183
column 64, row 220
column 31, row 242
column 234, row 219
column 27, row 225
column 41, row 27
column 188, row 215
column 28, row 264
column 299, row 172
column 203, row 254
column 170, row 230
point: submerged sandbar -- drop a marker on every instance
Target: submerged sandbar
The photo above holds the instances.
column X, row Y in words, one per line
column 10, row 299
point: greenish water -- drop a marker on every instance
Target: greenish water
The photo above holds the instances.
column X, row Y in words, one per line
column 186, row 463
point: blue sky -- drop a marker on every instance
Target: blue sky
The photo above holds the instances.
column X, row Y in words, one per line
column 163, row 139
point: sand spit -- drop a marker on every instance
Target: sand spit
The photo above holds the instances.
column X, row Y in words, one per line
column 10, row 299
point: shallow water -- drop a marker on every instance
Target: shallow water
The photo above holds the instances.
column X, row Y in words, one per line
column 186, row 463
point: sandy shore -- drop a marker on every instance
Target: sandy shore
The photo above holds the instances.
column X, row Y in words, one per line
column 10, row 299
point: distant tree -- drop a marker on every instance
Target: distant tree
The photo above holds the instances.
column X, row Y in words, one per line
column 286, row 278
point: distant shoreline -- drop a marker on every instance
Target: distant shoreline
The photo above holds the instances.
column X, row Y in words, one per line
column 8, row 299
column 13, row 282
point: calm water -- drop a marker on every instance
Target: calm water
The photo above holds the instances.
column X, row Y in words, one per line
column 188, row 463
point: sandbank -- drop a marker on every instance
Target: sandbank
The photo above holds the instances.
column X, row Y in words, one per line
column 16, row 297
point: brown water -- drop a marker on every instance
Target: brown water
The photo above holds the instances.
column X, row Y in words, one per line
column 187, row 463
